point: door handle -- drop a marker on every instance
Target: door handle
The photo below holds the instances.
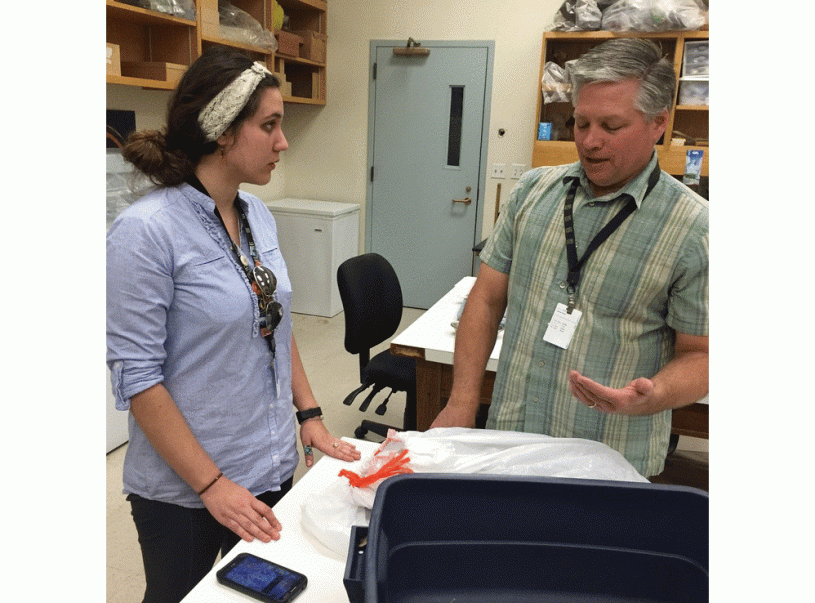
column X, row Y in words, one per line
column 465, row 200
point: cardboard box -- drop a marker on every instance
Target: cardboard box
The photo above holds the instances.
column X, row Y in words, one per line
column 288, row 43
column 114, row 63
column 285, row 86
column 162, row 72
column 314, row 45
column 305, row 83
column 316, row 80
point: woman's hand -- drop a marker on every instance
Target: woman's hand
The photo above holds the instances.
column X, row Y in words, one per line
column 234, row 507
column 314, row 434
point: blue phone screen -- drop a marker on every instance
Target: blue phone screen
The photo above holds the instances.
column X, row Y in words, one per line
column 263, row 577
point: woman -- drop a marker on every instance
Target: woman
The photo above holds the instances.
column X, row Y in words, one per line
column 200, row 344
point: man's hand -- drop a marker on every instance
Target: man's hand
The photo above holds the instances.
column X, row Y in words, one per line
column 634, row 399
column 454, row 416
column 681, row 382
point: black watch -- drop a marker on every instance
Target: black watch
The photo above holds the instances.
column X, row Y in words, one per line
column 302, row 415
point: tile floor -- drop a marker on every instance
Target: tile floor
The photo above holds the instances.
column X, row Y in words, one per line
column 333, row 373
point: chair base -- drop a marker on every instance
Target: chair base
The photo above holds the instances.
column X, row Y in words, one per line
column 377, row 428
column 409, row 421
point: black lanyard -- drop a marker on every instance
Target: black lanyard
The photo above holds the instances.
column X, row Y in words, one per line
column 261, row 279
column 243, row 224
column 194, row 181
column 575, row 264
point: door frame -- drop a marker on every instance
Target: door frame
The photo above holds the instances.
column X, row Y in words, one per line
column 485, row 126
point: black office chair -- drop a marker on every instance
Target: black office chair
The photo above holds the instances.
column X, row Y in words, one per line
column 372, row 300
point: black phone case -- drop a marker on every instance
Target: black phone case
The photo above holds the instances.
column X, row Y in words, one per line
column 221, row 577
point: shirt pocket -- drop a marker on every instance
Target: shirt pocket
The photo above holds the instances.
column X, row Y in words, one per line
column 210, row 293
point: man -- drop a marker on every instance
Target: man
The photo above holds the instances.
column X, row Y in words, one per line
column 606, row 326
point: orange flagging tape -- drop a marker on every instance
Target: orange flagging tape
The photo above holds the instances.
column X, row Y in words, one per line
column 394, row 466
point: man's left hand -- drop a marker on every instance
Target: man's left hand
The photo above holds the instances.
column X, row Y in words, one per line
column 633, row 399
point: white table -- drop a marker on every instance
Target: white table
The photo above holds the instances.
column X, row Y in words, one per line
column 433, row 332
column 295, row 550
column 430, row 340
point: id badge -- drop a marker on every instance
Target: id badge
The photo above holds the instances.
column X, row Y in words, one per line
column 562, row 326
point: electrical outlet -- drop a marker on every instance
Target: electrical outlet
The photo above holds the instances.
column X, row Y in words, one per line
column 499, row 170
column 518, row 170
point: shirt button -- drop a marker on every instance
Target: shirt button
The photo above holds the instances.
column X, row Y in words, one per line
column 536, row 399
column 540, row 363
column 562, row 284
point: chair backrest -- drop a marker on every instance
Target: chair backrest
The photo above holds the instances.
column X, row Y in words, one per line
column 372, row 301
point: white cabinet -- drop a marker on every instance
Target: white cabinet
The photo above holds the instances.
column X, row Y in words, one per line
column 315, row 238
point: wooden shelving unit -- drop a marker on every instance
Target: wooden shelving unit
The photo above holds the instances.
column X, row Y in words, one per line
column 150, row 36
column 560, row 47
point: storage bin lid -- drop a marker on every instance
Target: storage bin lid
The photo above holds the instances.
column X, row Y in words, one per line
column 311, row 207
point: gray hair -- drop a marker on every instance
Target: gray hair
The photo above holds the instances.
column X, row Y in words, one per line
column 628, row 58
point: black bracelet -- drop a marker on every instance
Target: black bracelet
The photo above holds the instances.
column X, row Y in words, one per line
column 309, row 413
column 212, row 483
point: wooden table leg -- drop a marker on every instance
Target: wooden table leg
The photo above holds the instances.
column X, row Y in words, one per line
column 428, row 393
column 691, row 421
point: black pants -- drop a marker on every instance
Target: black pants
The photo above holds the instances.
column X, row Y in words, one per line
column 180, row 545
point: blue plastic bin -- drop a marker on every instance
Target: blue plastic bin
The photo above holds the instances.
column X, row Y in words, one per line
column 468, row 538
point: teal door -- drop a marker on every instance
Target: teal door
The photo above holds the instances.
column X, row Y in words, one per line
column 427, row 145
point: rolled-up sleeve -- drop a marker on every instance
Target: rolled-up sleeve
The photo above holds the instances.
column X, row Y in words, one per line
column 139, row 292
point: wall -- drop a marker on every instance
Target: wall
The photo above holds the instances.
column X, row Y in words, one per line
column 328, row 149
column 328, row 153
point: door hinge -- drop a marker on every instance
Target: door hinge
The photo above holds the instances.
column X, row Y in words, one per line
column 374, row 70
column 372, row 173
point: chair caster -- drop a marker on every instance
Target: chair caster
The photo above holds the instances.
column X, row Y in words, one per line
column 359, row 433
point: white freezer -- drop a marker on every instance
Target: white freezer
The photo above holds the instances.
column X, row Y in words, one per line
column 315, row 238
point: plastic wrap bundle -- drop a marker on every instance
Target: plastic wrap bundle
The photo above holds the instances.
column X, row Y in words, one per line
column 580, row 15
column 630, row 15
column 654, row 15
column 555, row 86
column 347, row 500
column 239, row 26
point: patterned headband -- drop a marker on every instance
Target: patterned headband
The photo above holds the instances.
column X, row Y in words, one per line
column 215, row 118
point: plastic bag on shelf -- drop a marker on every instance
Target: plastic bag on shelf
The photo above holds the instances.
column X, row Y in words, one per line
column 239, row 26
column 579, row 15
column 178, row 8
column 555, row 85
column 139, row 3
column 654, row 15
column 328, row 517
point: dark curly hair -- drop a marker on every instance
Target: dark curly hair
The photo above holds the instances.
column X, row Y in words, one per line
column 168, row 157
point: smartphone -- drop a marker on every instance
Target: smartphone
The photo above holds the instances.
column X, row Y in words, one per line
column 261, row 579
